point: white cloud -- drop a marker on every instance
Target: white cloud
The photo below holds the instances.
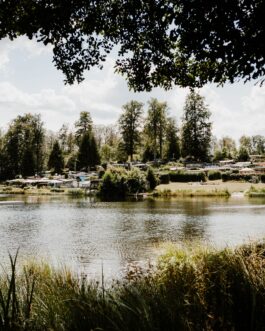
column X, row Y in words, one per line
column 255, row 101
column 31, row 48
column 233, row 115
column 236, row 109
column 47, row 102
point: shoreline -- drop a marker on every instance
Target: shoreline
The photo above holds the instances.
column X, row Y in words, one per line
column 215, row 188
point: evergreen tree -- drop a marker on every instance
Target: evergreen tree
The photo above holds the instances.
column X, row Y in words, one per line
column 130, row 122
column 94, row 153
column 196, row 128
column 83, row 157
column 88, row 155
column 27, row 162
column 56, row 160
column 83, row 125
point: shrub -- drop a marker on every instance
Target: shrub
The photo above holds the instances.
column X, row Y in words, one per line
column 151, row 178
column 237, row 177
column 135, row 181
column 187, row 176
column 262, row 178
column 214, row 175
column 117, row 183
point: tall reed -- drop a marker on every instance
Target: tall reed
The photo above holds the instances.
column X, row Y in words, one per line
column 188, row 289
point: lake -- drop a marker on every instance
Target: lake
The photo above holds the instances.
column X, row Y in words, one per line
column 87, row 235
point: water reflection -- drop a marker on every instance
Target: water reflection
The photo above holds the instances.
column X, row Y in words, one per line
column 85, row 233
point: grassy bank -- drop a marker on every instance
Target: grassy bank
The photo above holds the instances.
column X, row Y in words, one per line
column 212, row 188
column 256, row 192
column 75, row 192
column 191, row 289
column 192, row 193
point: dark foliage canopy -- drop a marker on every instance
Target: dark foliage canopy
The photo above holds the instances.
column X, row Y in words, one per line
column 159, row 42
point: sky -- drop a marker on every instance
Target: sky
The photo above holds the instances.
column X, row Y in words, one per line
column 29, row 82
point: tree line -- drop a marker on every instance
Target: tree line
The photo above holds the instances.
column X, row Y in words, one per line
column 27, row 148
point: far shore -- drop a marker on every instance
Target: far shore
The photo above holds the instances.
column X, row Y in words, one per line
column 209, row 188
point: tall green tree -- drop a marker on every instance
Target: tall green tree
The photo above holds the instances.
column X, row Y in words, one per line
column 88, row 155
column 83, row 125
column 94, row 153
column 56, row 159
column 173, row 144
column 23, row 146
column 130, row 125
column 155, row 126
column 196, row 128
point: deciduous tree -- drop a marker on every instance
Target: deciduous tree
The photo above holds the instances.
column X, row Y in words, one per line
column 155, row 126
column 196, row 128
column 173, row 144
column 159, row 43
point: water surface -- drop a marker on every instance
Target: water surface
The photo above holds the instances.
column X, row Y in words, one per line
column 86, row 234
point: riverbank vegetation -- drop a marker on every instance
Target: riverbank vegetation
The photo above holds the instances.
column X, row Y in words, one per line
column 188, row 289
column 192, row 193
column 256, row 192
column 74, row 192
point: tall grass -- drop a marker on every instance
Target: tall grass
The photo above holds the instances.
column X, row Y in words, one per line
column 256, row 192
column 188, row 289
column 192, row 193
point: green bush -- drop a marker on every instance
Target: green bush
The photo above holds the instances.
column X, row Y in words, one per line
column 117, row 183
column 237, row 177
column 164, row 178
column 151, row 178
column 187, row 176
column 214, row 175
column 135, row 181
column 262, row 178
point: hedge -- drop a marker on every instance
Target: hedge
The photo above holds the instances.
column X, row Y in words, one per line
column 187, row 177
column 214, row 175
column 230, row 176
column 164, row 178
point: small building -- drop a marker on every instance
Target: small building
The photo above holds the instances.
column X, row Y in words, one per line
column 226, row 162
column 257, row 158
column 247, row 171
